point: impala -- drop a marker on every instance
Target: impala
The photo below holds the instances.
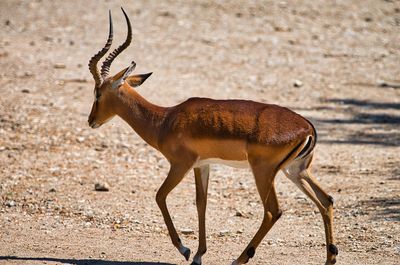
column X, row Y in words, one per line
column 202, row 131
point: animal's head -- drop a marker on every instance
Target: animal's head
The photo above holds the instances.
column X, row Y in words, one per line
column 107, row 87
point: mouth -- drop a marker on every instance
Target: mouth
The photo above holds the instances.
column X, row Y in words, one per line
column 94, row 125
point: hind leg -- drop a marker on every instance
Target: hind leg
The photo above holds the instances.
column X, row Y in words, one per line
column 298, row 172
column 264, row 177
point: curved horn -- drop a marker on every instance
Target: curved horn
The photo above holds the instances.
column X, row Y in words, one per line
column 105, row 68
column 94, row 60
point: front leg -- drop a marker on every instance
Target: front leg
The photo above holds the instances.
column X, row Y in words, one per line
column 201, row 176
column 175, row 175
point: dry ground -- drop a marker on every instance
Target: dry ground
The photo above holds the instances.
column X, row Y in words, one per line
column 50, row 159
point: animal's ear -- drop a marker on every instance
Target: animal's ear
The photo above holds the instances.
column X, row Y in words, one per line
column 137, row 80
column 120, row 78
column 119, row 74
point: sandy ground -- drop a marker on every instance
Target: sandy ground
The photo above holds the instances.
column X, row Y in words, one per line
column 341, row 52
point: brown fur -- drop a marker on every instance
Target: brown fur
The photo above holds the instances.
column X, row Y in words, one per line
column 246, row 120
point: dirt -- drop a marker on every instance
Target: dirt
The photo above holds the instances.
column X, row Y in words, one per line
column 327, row 60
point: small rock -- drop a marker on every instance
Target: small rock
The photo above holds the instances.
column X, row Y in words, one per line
column 10, row 203
column 80, row 139
column 52, row 190
column 223, row 233
column 28, row 74
column 59, row 66
column 187, row 231
column 103, row 186
column 89, row 215
column 368, row 19
column 26, row 91
column 239, row 213
column 297, row 83
column 282, row 28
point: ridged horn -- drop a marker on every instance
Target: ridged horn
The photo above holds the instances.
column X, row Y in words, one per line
column 95, row 59
column 105, row 68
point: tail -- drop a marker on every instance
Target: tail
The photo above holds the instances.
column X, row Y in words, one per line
column 303, row 149
column 312, row 141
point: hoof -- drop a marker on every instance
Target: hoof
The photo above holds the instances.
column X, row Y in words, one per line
column 186, row 254
column 250, row 252
column 332, row 262
column 333, row 250
column 195, row 263
column 331, row 200
column 184, row 251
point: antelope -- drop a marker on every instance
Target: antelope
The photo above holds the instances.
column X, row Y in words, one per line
column 203, row 131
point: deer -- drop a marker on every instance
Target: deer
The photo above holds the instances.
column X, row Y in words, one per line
column 200, row 132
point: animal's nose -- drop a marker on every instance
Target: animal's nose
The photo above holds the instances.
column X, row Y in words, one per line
column 90, row 121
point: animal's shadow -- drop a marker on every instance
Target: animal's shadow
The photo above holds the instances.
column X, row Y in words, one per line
column 81, row 261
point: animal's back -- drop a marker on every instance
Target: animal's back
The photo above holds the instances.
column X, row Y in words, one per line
column 237, row 120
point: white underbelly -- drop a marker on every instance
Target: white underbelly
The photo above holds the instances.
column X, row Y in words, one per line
column 231, row 163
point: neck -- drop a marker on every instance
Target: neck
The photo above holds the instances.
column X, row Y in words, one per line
column 144, row 117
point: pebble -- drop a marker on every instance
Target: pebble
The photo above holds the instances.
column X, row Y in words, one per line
column 297, row 83
column 102, row 186
column 10, row 203
column 282, row 28
column 224, row 233
column 239, row 213
column 187, row 231
column 59, row 66
column 89, row 214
